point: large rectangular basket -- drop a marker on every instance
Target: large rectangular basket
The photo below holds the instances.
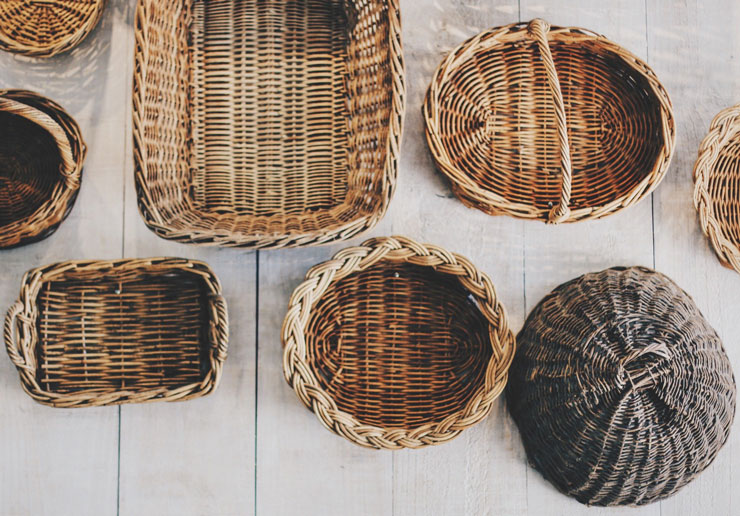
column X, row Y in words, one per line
column 266, row 123
column 110, row 332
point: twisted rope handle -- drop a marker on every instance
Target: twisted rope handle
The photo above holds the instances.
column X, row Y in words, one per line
column 12, row 343
column 538, row 28
column 219, row 328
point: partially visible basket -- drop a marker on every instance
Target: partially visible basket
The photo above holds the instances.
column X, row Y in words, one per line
column 717, row 188
column 557, row 124
column 110, row 332
column 45, row 28
column 396, row 344
column 620, row 388
column 41, row 157
column 266, row 123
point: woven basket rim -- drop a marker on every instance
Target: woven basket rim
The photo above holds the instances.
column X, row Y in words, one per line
column 57, row 46
column 723, row 128
column 222, row 237
column 300, row 377
column 507, row 34
column 21, row 338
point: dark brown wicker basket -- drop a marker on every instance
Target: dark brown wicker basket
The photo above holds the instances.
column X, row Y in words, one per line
column 620, row 388
column 109, row 332
column 41, row 157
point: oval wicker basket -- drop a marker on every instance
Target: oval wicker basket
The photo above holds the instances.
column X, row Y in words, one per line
column 396, row 344
column 557, row 124
column 620, row 388
column 264, row 124
column 45, row 28
column 716, row 176
column 109, row 332
column 41, row 157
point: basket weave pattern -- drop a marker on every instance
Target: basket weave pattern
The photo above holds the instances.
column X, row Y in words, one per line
column 131, row 331
column 396, row 344
column 620, row 388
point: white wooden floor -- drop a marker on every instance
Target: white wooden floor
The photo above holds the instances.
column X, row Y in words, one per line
column 252, row 448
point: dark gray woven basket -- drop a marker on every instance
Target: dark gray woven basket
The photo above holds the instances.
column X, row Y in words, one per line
column 620, row 388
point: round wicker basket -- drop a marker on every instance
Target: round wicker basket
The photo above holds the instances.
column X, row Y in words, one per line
column 396, row 344
column 45, row 28
column 557, row 124
column 716, row 176
column 620, row 388
column 41, row 157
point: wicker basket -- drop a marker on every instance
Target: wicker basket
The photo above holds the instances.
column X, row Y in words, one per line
column 45, row 28
column 554, row 124
column 110, row 332
column 266, row 123
column 716, row 192
column 395, row 344
column 41, row 156
column 620, row 388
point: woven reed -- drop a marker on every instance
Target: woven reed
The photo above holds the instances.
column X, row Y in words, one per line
column 266, row 123
column 557, row 124
column 716, row 189
column 41, row 157
column 620, row 388
column 110, row 332
column 45, row 28
column 395, row 344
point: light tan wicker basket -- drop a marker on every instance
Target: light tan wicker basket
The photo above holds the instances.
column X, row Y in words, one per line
column 395, row 344
column 110, row 332
column 557, row 124
column 45, row 28
column 266, row 123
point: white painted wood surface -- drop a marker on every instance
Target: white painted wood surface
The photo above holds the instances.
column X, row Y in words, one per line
column 252, row 448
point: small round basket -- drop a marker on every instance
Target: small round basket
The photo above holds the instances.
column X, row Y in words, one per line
column 717, row 186
column 621, row 390
column 557, row 124
column 41, row 157
column 396, row 344
column 45, row 28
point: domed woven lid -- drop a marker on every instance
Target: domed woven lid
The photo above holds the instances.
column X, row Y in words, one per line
column 620, row 388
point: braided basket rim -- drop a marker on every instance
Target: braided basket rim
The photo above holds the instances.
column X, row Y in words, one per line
column 301, row 378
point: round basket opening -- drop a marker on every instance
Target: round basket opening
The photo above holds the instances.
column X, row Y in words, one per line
column 398, row 345
column 722, row 186
column 29, row 167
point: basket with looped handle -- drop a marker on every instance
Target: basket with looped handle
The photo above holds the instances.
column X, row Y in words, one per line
column 109, row 332
column 45, row 28
column 395, row 344
column 620, row 388
column 557, row 124
column 265, row 123
column 41, row 157
column 716, row 191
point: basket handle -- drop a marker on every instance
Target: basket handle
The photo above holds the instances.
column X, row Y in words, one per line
column 38, row 117
column 539, row 28
column 12, row 342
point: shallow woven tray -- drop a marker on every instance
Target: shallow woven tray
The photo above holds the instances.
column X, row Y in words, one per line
column 557, row 124
column 110, row 332
column 45, row 28
column 396, row 344
column 266, row 123
column 620, row 388
column 41, row 157
column 716, row 189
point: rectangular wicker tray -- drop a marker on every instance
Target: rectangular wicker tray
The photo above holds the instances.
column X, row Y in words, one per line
column 109, row 332
column 266, row 123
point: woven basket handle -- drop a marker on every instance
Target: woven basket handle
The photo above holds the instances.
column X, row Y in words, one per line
column 219, row 329
column 538, row 29
column 12, row 338
column 38, row 117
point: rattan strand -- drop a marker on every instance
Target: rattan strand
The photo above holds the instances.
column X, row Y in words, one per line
column 620, row 388
column 45, row 28
column 556, row 124
column 266, row 123
column 395, row 344
column 110, row 332
column 41, row 158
